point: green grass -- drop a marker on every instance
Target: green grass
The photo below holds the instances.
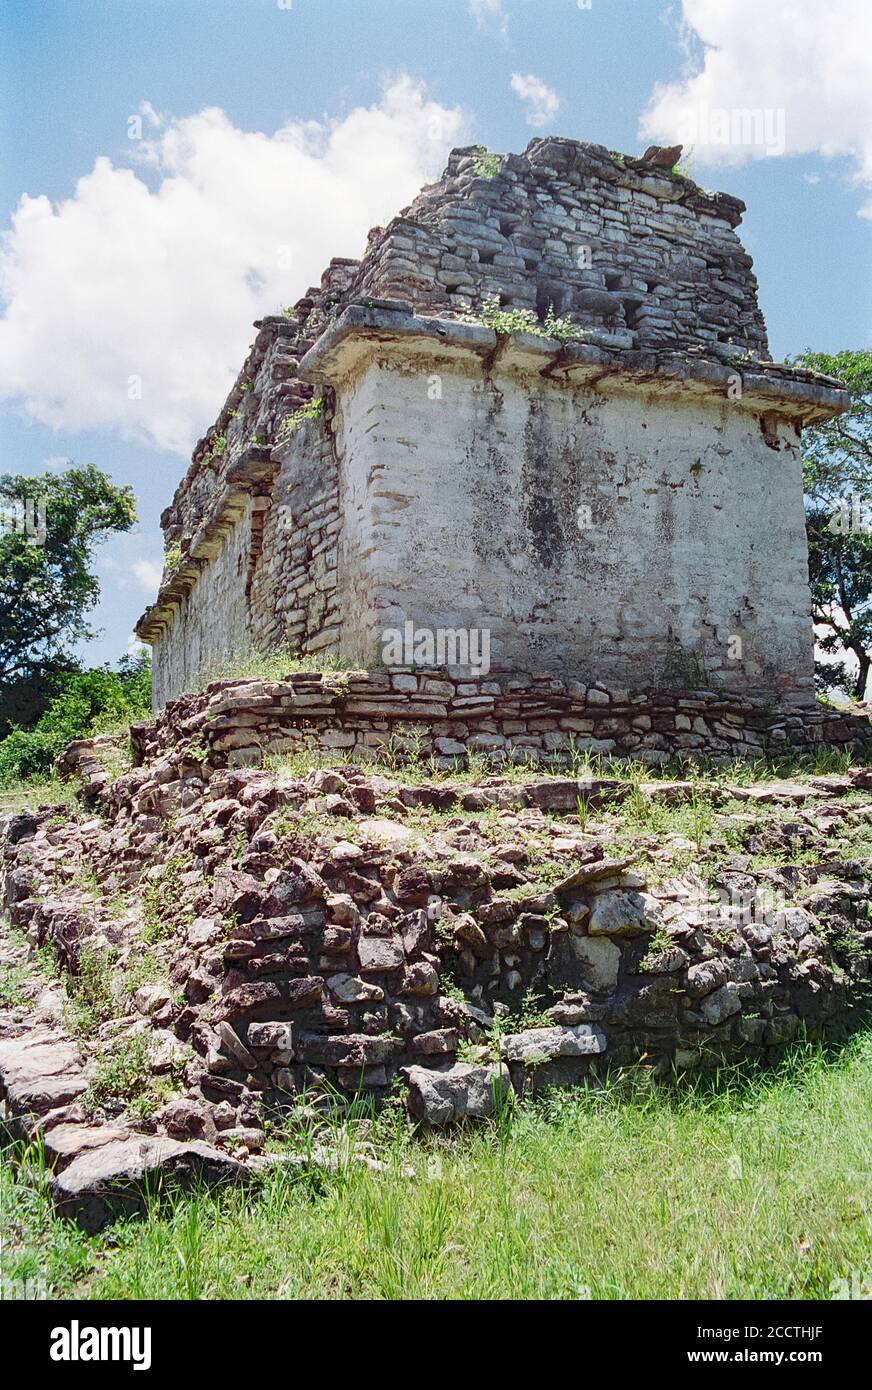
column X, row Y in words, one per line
column 267, row 666
column 749, row 1185
column 13, row 981
column 36, row 791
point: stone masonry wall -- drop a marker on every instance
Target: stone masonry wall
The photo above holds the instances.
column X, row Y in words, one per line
column 293, row 589
column 694, row 536
column 540, row 719
column 664, row 262
column 355, row 930
column 211, row 619
column 223, row 507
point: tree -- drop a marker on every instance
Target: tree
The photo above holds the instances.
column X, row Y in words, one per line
column 84, row 703
column 837, row 455
column 837, row 477
column 52, row 524
column 840, row 575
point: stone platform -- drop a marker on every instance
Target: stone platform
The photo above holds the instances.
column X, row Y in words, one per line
column 535, row 719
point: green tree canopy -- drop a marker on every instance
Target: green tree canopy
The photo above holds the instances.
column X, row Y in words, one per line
column 83, row 703
column 837, row 455
column 46, row 582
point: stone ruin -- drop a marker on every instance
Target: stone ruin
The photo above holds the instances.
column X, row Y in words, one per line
column 612, row 497
column 617, row 506
column 313, row 937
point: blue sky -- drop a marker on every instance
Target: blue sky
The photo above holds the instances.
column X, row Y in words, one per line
column 334, row 111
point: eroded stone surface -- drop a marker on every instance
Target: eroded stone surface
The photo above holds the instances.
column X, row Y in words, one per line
column 113, row 1179
column 459, row 1092
column 542, row 1044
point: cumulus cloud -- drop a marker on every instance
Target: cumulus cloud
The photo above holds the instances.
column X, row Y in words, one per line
column 147, row 573
column 129, row 305
column 777, row 78
column 541, row 101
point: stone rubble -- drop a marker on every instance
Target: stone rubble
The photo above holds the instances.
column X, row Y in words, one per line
column 303, row 950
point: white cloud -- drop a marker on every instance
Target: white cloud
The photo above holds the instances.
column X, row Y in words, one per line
column 542, row 102
column 148, row 575
column 56, row 463
column 809, row 66
column 122, row 283
column 484, row 10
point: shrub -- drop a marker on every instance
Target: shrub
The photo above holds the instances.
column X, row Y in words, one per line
column 487, row 164
column 120, row 1077
column 84, row 703
column 509, row 320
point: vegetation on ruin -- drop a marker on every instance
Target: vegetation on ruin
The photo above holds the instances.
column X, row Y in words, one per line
column 739, row 1184
column 508, row 320
column 273, row 665
column 312, row 410
column 487, row 164
column 172, row 557
column 218, row 447
column 123, row 1081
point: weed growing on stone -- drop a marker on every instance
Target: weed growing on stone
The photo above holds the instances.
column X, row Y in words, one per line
column 487, row 165
column 163, row 914
column 172, row 557
column 272, row 665
column 312, row 410
column 658, row 945
column 13, row 979
column 90, row 992
column 121, row 1077
column 508, row 320
column 139, row 970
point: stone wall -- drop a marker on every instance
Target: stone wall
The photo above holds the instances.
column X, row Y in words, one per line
column 342, row 929
column 590, row 530
column 211, row 619
column 605, row 238
column 293, row 592
column 267, row 576
column 222, row 515
column 358, row 715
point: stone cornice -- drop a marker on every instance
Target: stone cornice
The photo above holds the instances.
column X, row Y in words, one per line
column 606, row 362
column 253, row 469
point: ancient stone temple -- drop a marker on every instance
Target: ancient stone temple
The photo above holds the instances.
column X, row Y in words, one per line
column 537, row 422
column 528, row 471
